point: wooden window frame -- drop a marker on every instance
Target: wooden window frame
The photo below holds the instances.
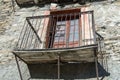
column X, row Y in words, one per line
column 50, row 40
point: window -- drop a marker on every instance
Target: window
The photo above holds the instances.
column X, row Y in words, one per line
column 64, row 29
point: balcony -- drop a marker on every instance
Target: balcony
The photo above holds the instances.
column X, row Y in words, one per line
column 69, row 34
column 60, row 36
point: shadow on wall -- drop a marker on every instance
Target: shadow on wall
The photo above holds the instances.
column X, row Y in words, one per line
column 67, row 71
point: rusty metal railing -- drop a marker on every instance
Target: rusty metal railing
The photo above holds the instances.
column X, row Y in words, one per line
column 58, row 31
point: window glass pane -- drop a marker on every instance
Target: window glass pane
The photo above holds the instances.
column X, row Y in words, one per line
column 76, row 28
column 60, row 22
column 71, row 37
column 60, row 30
column 74, row 31
column 61, row 39
column 76, row 21
column 72, row 22
column 71, row 34
column 71, row 29
column 76, row 37
column 56, row 39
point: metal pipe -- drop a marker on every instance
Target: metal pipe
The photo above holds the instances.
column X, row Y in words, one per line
column 18, row 68
column 58, row 67
column 96, row 64
column 93, row 27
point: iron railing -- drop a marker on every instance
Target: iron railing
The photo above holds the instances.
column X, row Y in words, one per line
column 58, row 31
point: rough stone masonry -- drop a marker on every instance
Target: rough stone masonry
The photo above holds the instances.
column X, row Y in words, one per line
column 107, row 21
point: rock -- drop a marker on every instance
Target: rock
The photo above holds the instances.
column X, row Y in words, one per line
column 111, row 1
column 103, row 27
column 118, row 24
column 77, row 5
column 69, row 6
column 6, row 1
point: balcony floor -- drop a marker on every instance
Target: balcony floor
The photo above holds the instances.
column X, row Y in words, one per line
column 79, row 54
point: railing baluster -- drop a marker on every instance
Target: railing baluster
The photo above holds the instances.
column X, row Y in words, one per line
column 37, row 29
column 20, row 37
column 29, row 32
column 22, row 42
column 33, row 33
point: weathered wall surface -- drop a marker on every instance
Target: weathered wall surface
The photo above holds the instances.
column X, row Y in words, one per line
column 107, row 21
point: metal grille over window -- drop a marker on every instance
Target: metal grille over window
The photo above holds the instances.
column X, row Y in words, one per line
column 63, row 30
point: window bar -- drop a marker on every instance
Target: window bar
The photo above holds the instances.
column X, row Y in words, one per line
column 26, row 36
column 80, row 29
column 38, row 28
column 53, row 32
column 48, row 34
column 31, row 45
column 20, row 37
column 30, row 40
column 74, row 30
column 24, row 42
column 37, row 45
column 23, row 37
column 32, row 36
column 44, row 25
column 58, row 30
column 84, row 28
column 93, row 27
column 36, row 39
column 34, row 31
column 68, row 31
column 90, row 28
column 39, row 24
column 87, row 23
column 64, row 40
column 27, row 40
column 59, row 44
column 30, row 32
